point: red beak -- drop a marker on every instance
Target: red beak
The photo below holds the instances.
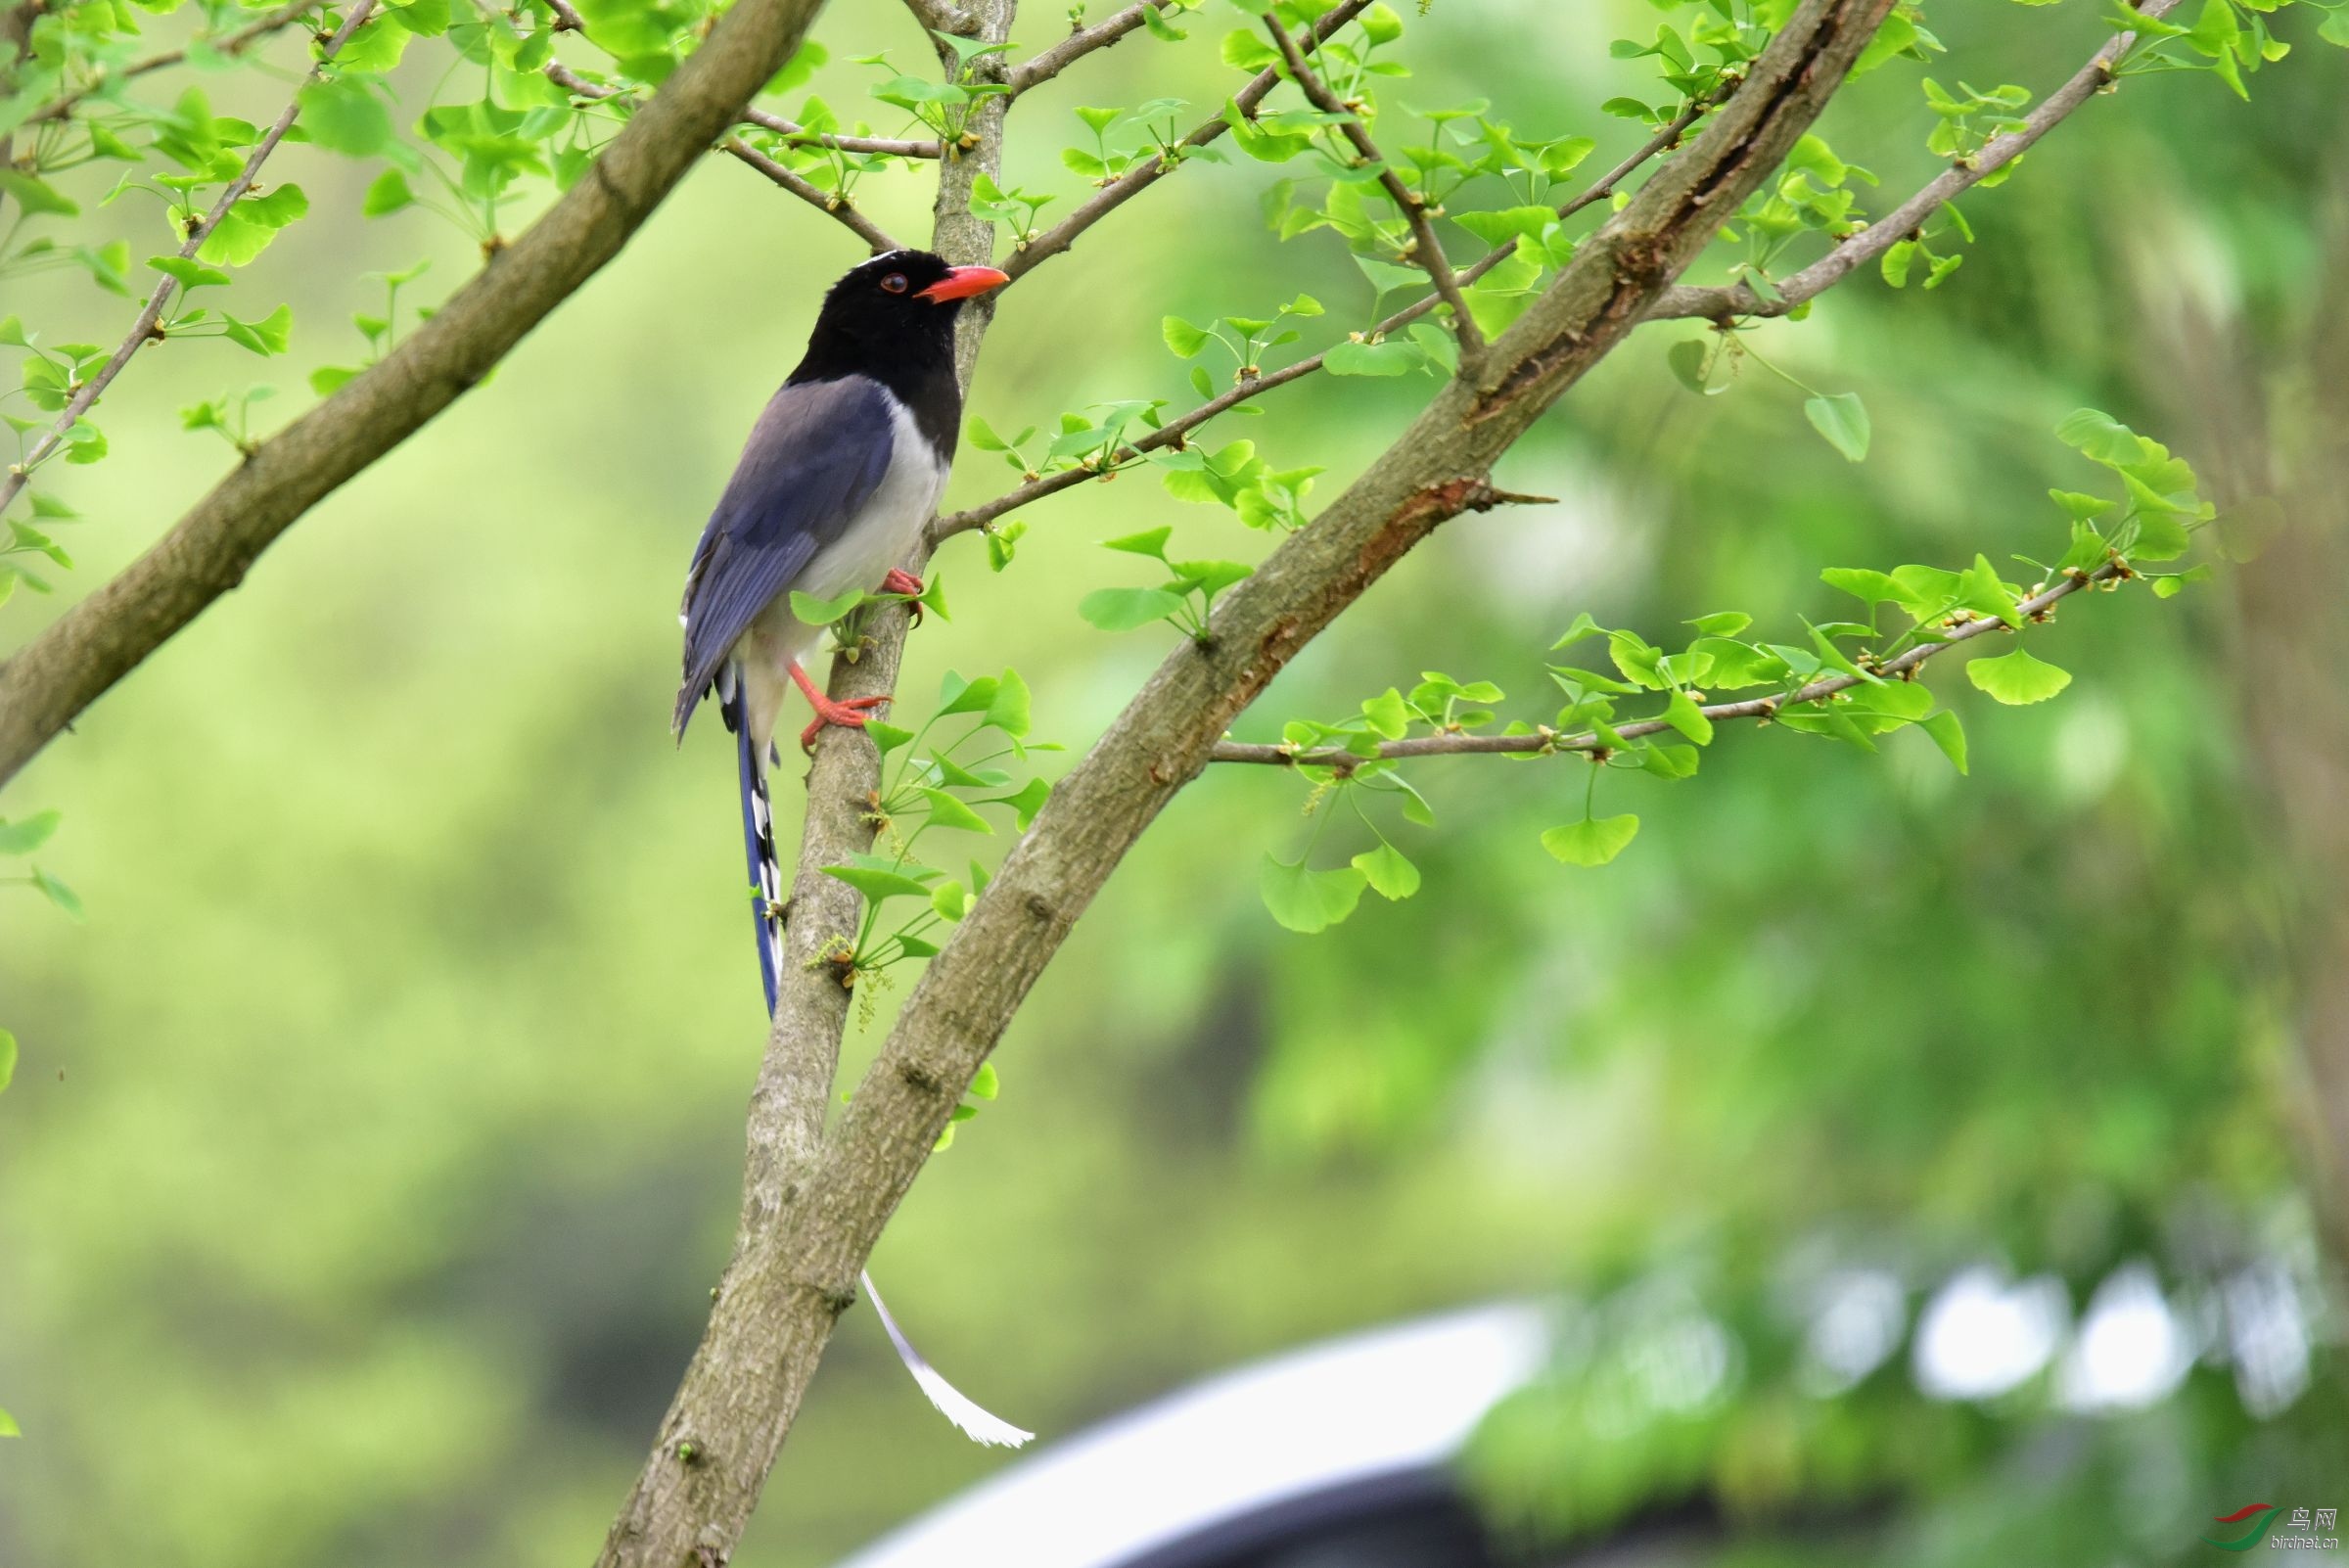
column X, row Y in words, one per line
column 961, row 283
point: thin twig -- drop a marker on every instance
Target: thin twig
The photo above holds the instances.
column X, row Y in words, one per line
column 1081, row 42
column 1170, row 434
column 1427, row 249
column 837, row 208
column 1174, row 429
column 1663, row 141
column 1545, row 741
column 1679, row 301
column 567, row 18
column 231, row 46
column 147, row 328
column 889, row 145
column 1033, row 254
column 1902, row 222
column 578, row 86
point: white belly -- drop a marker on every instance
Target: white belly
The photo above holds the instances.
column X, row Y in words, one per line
column 877, row 538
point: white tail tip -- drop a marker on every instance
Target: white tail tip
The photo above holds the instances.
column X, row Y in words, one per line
column 977, row 1423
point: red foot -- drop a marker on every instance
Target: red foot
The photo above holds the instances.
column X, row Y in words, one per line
column 906, row 583
column 848, row 715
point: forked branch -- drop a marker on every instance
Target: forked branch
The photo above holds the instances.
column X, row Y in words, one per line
column 228, row 47
column 833, row 206
column 1127, row 186
column 1902, row 222
column 1427, row 248
column 1080, row 43
column 815, row 1198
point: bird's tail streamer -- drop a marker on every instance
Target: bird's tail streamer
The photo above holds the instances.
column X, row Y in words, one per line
column 757, row 836
column 977, row 1423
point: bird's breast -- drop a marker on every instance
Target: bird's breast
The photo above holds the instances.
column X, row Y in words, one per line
column 885, row 529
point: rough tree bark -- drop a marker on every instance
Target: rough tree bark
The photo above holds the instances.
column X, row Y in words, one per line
column 815, row 1199
column 208, row 551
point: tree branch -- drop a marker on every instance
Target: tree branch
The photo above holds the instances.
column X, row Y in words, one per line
column 837, row 208
column 567, row 18
column 1044, row 246
column 578, row 86
column 104, row 636
column 231, row 46
column 889, row 146
column 1427, row 249
column 814, row 1200
column 1718, row 303
column 1545, row 741
column 742, row 1391
column 147, row 328
column 1080, row 41
column 1904, row 221
column 1174, row 431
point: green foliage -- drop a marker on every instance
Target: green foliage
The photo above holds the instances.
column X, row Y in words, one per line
column 17, row 841
column 2230, row 39
column 1185, row 599
column 1831, row 1035
column 935, row 786
column 1709, row 366
column 1594, row 841
column 1847, row 680
column 2016, row 678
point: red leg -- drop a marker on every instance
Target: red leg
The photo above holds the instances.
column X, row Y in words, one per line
column 848, row 715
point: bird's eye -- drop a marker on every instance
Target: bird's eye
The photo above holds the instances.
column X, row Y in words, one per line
column 894, row 283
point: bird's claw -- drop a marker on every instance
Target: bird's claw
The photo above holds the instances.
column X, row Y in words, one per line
column 906, row 583
column 847, row 713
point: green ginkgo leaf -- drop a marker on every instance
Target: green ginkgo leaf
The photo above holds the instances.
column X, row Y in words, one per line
column 1593, row 842
column 1390, row 874
column 2016, row 678
column 1308, row 900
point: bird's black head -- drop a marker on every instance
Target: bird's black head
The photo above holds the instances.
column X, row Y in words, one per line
column 892, row 318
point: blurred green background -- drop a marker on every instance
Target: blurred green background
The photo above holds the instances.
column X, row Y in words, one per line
column 377, row 1140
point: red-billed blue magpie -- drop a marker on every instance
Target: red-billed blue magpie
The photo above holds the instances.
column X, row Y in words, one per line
column 834, row 485
column 838, row 479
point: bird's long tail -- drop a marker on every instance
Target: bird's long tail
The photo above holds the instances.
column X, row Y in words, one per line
column 757, row 835
column 766, row 897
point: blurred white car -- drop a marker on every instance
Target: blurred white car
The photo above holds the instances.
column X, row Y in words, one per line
column 1337, row 1454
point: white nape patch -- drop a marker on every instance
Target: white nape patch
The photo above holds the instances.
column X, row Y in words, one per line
column 977, row 1423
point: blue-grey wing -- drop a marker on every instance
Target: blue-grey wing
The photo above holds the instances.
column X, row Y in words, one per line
column 814, row 458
